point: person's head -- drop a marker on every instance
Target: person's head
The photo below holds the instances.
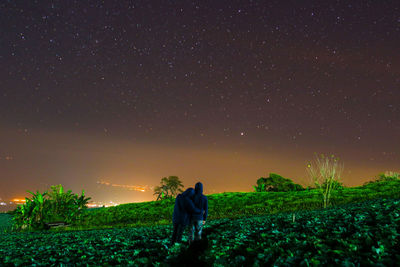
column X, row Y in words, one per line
column 188, row 192
column 198, row 188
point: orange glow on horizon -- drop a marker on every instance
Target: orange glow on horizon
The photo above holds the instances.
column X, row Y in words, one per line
column 129, row 187
column 19, row 200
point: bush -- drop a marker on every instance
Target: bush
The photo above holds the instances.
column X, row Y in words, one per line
column 52, row 206
column 276, row 183
column 382, row 178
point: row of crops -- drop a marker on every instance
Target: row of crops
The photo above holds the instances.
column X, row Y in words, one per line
column 363, row 234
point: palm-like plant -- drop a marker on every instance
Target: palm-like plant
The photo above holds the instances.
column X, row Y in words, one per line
column 80, row 203
column 56, row 205
column 61, row 201
column 33, row 213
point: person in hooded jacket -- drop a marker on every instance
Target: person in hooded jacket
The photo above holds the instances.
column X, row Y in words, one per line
column 198, row 219
column 183, row 210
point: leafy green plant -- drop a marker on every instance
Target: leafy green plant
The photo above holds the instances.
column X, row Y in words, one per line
column 66, row 206
column 362, row 234
column 325, row 173
column 52, row 206
column 233, row 205
column 32, row 214
column 260, row 187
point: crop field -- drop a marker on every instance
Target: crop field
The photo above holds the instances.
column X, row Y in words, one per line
column 365, row 234
column 234, row 205
column 5, row 222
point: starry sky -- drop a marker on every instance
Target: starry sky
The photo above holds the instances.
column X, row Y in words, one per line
column 222, row 92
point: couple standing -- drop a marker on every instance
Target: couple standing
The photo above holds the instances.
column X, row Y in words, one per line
column 191, row 208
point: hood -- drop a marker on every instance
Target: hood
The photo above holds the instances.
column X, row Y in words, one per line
column 188, row 192
column 198, row 188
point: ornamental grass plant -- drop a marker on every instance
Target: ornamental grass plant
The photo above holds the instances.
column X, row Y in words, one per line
column 325, row 172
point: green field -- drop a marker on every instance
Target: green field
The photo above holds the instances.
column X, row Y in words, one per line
column 361, row 228
column 234, row 205
column 351, row 235
column 5, row 222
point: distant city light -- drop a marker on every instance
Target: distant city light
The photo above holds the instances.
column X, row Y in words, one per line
column 6, row 205
column 102, row 204
column 129, row 187
column 19, row 200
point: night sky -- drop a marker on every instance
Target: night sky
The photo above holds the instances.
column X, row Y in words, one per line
column 224, row 92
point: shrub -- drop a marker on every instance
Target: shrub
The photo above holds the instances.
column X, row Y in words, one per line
column 32, row 214
column 384, row 177
column 276, row 183
column 388, row 176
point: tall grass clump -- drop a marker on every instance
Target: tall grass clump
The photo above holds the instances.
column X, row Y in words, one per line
column 325, row 173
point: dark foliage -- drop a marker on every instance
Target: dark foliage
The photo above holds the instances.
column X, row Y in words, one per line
column 276, row 183
column 363, row 234
column 169, row 187
column 233, row 205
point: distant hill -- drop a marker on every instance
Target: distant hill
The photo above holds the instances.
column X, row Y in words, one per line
column 8, row 207
column 235, row 205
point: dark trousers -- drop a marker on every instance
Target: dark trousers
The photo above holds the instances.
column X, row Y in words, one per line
column 177, row 233
column 196, row 227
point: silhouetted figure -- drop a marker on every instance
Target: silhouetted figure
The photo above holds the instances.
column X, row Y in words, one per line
column 183, row 210
column 198, row 219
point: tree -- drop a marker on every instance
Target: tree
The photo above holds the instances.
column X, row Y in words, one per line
column 325, row 173
column 276, row 183
column 169, row 187
column 161, row 192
